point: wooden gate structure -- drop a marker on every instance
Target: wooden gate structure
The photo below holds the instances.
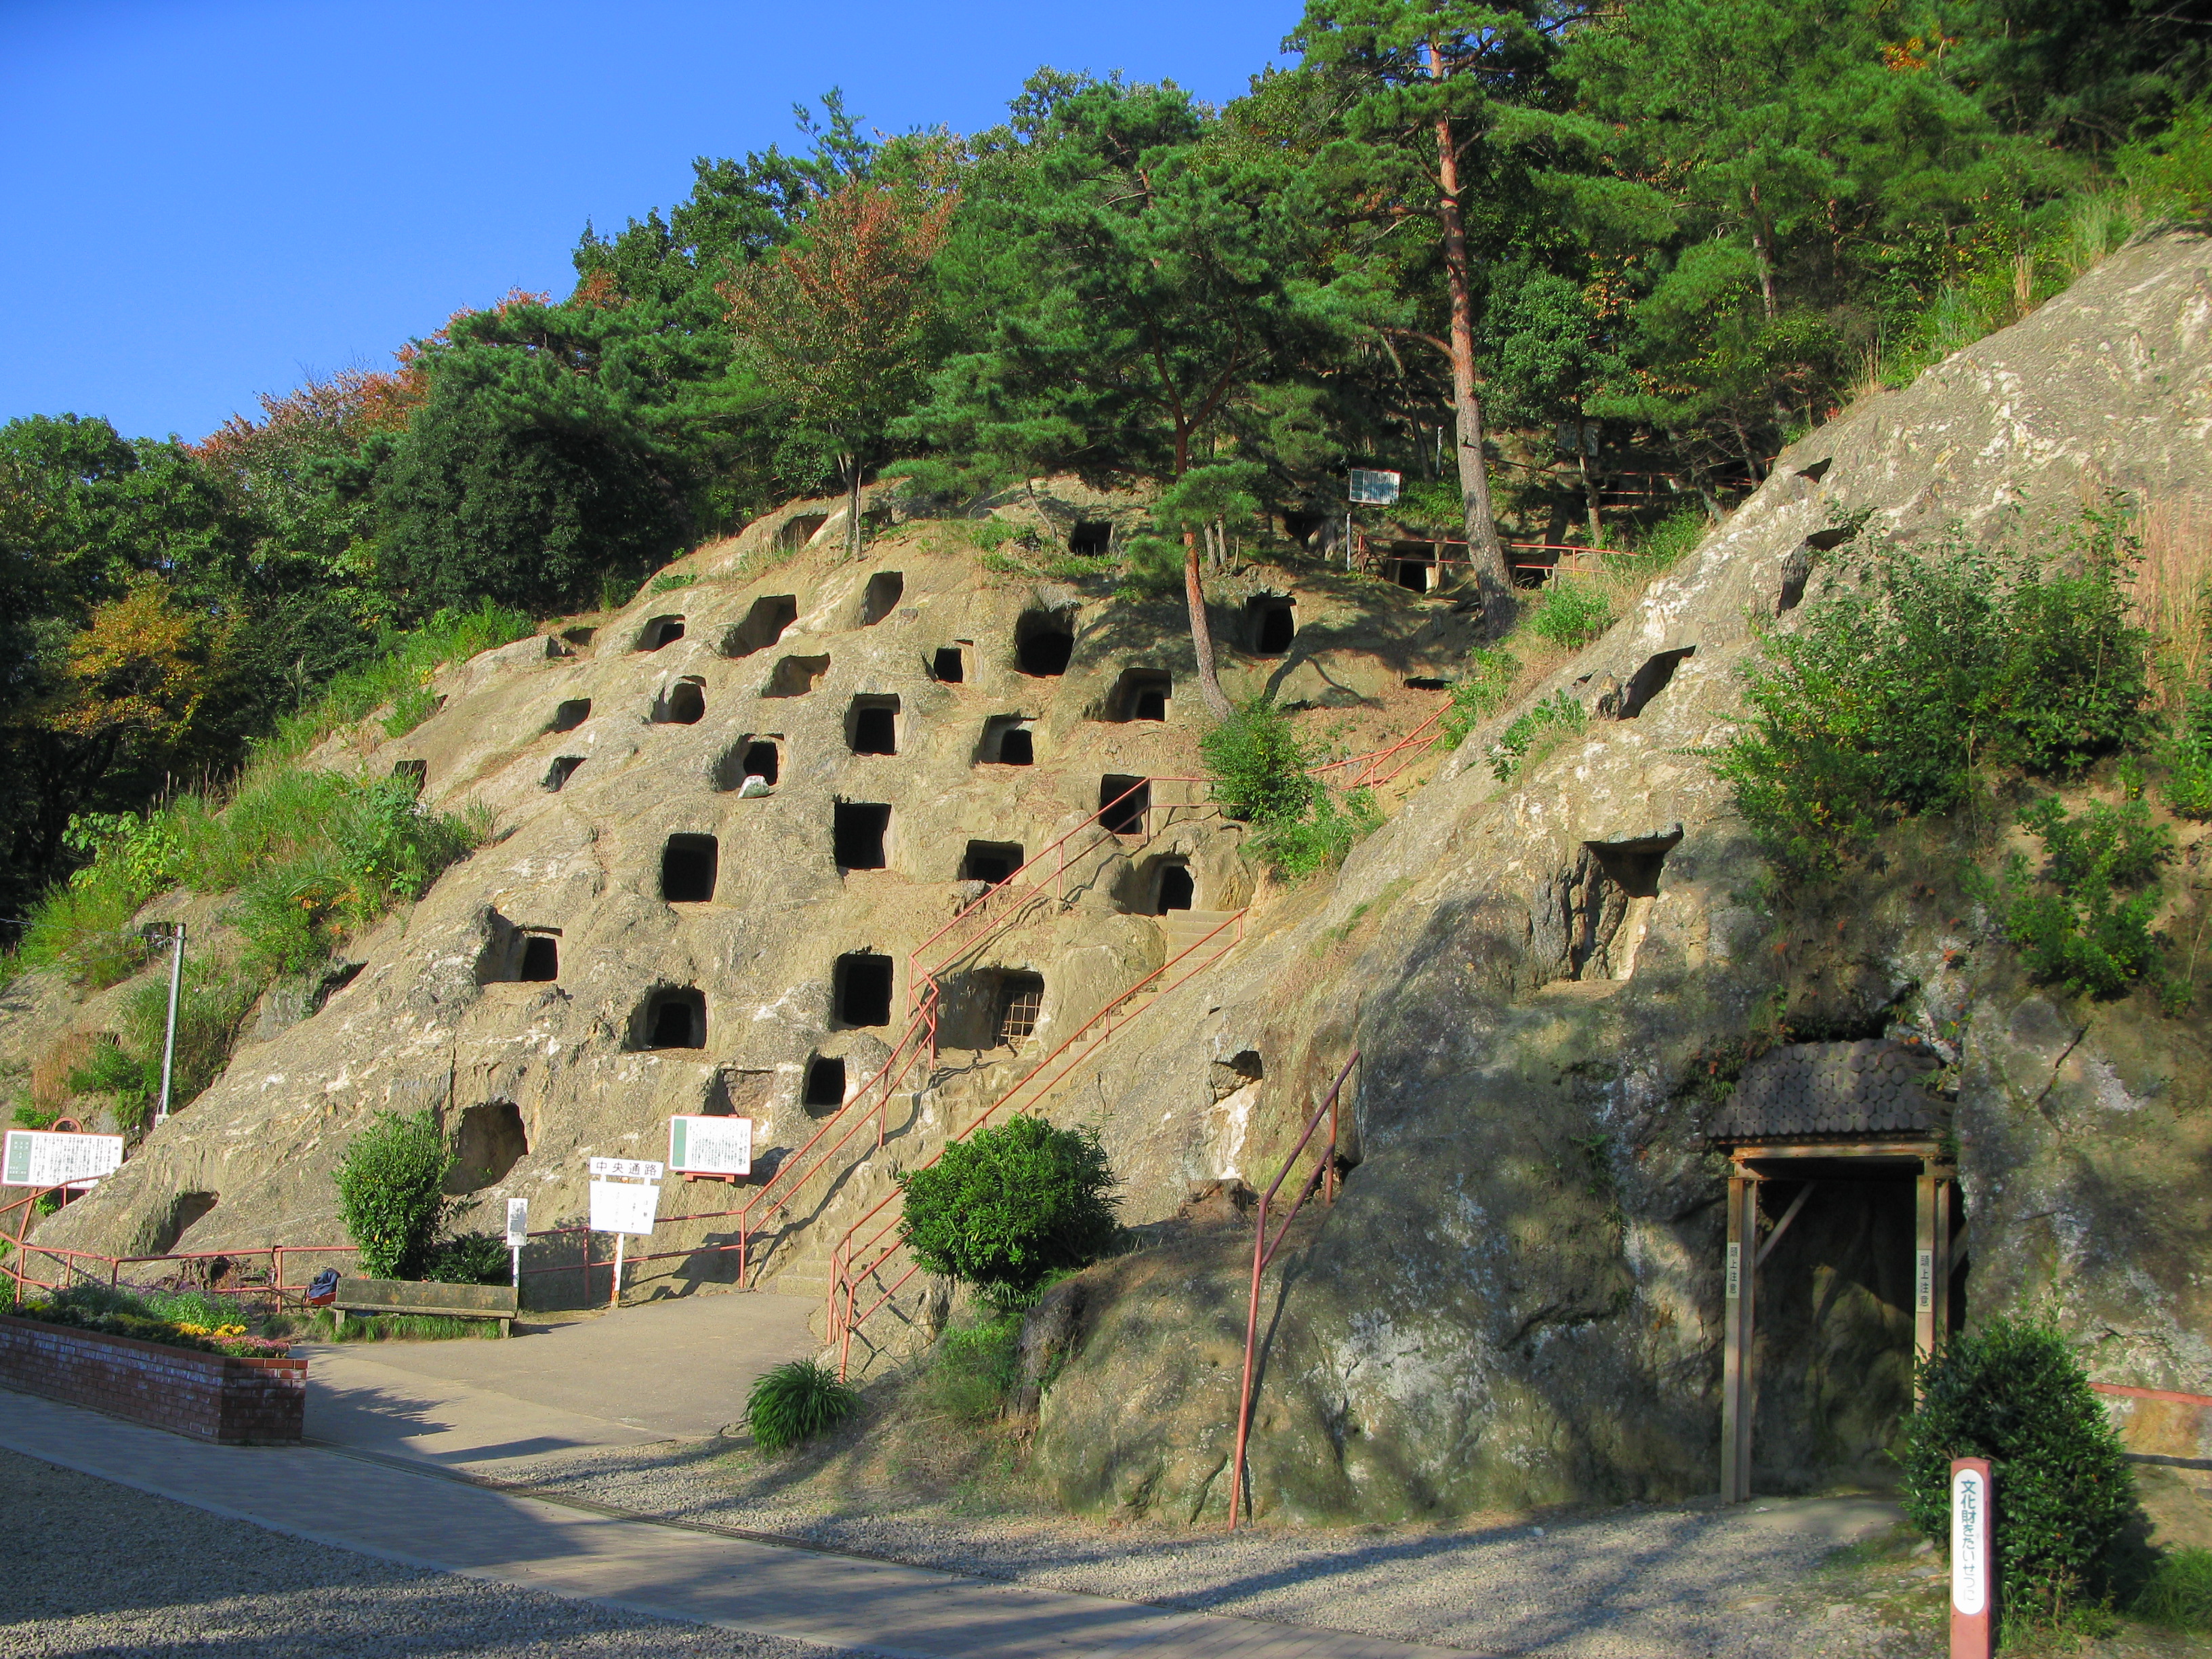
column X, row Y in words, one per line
column 1828, row 1114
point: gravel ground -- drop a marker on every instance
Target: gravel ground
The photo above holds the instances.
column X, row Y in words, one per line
column 90, row 1568
column 1633, row 1583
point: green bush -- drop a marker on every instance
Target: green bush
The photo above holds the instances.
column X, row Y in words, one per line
column 794, row 1402
column 1323, row 837
column 388, row 1192
column 1008, row 1208
column 669, row 584
column 2188, row 787
column 1259, row 766
column 1570, row 614
column 2014, row 1392
column 2178, row 1595
column 1668, row 542
column 1534, row 735
column 1479, row 693
column 2087, row 923
column 470, row 1259
column 1152, row 568
column 1916, row 668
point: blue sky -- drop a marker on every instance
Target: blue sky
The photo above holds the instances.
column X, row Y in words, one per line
column 207, row 199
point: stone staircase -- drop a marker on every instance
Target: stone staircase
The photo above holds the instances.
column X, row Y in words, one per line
column 1184, row 928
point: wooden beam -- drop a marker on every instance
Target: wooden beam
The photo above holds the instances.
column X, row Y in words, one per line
column 1927, row 1189
column 1782, row 1225
column 1740, row 1269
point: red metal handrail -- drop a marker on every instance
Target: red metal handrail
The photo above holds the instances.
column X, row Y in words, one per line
column 1263, row 1252
column 844, row 1279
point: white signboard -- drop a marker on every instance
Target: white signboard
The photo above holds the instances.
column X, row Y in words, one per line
column 1373, row 489
column 629, row 1168
column 620, row 1207
column 1970, row 1542
column 711, row 1145
column 40, row 1158
column 518, row 1223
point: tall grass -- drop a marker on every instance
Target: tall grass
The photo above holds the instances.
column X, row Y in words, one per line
column 2170, row 590
column 312, row 854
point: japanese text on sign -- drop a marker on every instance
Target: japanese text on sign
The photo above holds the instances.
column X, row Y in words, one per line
column 40, row 1158
column 627, row 1168
column 711, row 1145
column 621, row 1206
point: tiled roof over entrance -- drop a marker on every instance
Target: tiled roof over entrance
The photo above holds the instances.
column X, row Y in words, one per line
column 1816, row 1090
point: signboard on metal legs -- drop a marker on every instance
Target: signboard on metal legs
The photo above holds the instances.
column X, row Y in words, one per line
column 710, row 1145
column 625, row 1198
column 41, row 1157
column 1973, row 1566
column 518, row 1234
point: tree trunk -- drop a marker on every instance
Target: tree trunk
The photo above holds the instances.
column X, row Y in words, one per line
column 1486, row 552
column 1201, row 634
column 853, row 507
column 1589, row 482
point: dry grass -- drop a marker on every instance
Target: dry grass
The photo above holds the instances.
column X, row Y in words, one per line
column 2172, row 590
column 50, row 1073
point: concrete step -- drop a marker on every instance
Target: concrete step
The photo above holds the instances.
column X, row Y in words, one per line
column 1184, row 928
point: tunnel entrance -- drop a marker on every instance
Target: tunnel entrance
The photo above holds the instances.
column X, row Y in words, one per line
column 885, row 589
column 683, row 703
column 1091, row 539
column 794, row 677
column 488, row 1144
column 413, row 773
column 946, row 666
column 825, row 1085
column 764, row 625
column 864, row 988
column 563, row 768
column 659, row 631
column 872, row 725
column 1021, row 1002
column 1656, row 674
column 858, row 831
column 541, row 958
column 1175, row 891
column 1044, row 642
column 1124, row 803
column 991, row 862
column 1007, row 741
column 1141, row 694
column 1841, row 1263
column 567, row 716
column 1271, row 622
column 687, row 869
column 672, row 1018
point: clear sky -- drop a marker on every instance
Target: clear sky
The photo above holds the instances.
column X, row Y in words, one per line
column 206, row 199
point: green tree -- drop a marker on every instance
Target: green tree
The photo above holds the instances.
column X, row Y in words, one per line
column 1121, row 283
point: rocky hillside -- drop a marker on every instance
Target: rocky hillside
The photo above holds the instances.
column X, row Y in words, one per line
column 1550, row 982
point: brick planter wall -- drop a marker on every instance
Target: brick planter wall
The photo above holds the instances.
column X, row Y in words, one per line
column 208, row 1397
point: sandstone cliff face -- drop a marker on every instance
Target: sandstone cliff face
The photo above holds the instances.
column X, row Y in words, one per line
column 647, row 935
column 1516, row 1298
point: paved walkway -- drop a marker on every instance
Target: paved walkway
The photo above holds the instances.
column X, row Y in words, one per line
column 430, row 1520
column 673, row 1369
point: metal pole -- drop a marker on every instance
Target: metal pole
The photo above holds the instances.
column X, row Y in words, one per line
column 169, row 1041
column 614, row 1297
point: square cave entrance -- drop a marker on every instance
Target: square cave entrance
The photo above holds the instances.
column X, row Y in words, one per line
column 1007, row 740
column 1271, row 622
column 862, row 988
column 568, row 715
column 689, row 867
column 1044, row 642
column 825, row 1092
column 1123, row 804
column 659, row 631
column 670, row 1016
column 872, row 725
column 754, row 755
column 947, row 667
column 991, row 862
column 1141, row 694
column 764, row 625
column 885, row 589
column 683, row 703
column 859, row 830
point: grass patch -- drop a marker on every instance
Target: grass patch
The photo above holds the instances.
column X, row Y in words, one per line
column 320, row 1325
column 2178, row 1595
column 1534, row 735
column 973, row 1370
column 1570, row 615
column 793, row 1403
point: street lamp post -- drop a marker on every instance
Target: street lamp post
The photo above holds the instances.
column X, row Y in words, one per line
column 156, row 932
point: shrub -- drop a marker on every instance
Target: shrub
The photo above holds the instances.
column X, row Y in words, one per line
column 1534, row 735
column 1005, row 1210
column 388, row 1191
column 1570, row 614
column 1669, row 541
column 2188, row 760
column 1323, row 837
column 211, row 1005
column 1258, row 764
column 1480, row 693
column 1913, row 669
column 669, row 584
column 1152, row 568
column 2088, row 925
column 2178, row 1592
column 2014, row 1392
column 794, row 1402
column 470, row 1259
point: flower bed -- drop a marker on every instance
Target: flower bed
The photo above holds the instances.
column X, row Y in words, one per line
column 198, row 1391
column 230, row 1338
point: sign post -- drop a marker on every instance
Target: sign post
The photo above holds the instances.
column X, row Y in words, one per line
column 518, row 1235
column 1368, row 489
column 173, row 931
column 1973, row 1568
column 625, row 1201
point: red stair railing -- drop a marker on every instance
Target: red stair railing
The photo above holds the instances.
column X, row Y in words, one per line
column 1322, row 1180
column 845, row 1280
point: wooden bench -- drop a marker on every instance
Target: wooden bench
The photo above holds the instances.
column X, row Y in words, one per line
column 407, row 1296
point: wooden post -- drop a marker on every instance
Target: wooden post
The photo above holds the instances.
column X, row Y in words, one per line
column 1940, row 1314
column 1973, row 1577
column 1928, row 1190
column 1736, row 1324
